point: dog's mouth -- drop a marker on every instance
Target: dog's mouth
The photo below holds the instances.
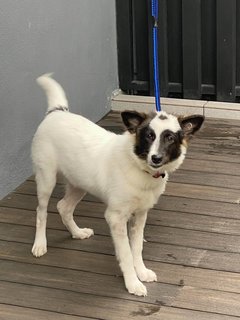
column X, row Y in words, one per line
column 156, row 170
column 157, row 166
column 154, row 166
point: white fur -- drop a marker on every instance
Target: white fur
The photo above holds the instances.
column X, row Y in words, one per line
column 103, row 164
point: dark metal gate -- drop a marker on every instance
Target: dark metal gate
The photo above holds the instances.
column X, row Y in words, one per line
column 199, row 48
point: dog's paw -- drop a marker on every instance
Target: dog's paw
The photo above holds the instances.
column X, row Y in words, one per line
column 137, row 287
column 147, row 275
column 39, row 249
column 83, row 233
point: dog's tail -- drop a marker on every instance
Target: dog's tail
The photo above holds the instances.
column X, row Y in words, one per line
column 55, row 94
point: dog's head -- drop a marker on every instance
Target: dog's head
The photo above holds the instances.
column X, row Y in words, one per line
column 161, row 139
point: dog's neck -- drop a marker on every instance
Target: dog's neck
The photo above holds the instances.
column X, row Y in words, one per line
column 156, row 174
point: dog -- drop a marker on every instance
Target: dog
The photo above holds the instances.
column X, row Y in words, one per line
column 128, row 172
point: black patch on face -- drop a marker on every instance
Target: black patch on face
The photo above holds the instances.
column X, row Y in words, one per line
column 170, row 145
column 144, row 139
column 162, row 117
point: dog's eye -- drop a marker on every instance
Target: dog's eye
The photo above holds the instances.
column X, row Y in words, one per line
column 170, row 138
column 151, row 136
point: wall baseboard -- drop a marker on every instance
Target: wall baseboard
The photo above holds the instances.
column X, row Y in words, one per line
column 210, row 109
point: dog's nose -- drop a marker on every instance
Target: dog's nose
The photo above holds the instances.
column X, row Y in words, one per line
column 156, row 158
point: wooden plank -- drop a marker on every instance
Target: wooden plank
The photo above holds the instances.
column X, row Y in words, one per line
column 211, row 167
column 184, row 314
column 202, row 192
column 78, row 304
column 29, row 202
column 82, row 282
column 27, row 215
column 11, row 312
column 190, row 221
column 153, row 233
column 171, row 240
column 183, row 229
column 58, row 239
column 108, row 308
column 106, row 264
column 196, row 277
column 90, row 214
column 209, row 300
column 219, row 128
column 204, row 153
column 197, row 206
column 217, row 146
column 29, row 187
column 90, row 282
column 205, row 179
column 70, row 259
column 210, row 146
column 166, row 203
column 191, row 39
column 193, row 239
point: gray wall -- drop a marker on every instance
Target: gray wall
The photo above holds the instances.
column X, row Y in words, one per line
column 75, row 39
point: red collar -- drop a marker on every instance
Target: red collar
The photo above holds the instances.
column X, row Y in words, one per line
column 157, row 174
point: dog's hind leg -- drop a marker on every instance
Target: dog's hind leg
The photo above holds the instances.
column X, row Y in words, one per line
column 136, row 228
column 45, row 183
column 66, row 208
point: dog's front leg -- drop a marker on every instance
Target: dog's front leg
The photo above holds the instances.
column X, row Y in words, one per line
column 117, row 221
column 136, row 228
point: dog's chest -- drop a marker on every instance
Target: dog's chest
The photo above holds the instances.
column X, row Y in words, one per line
column 145, row 199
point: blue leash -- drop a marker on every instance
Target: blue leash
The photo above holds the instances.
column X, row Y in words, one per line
column 155, row 54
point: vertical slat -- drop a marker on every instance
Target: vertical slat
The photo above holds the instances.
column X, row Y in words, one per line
column 174, row 20
column 209, row 47
column 163, row 47
column 238, row 51
column 191, row 30
column 150, row 49
column 141, row 38
column 124, row 43
column 226, row 50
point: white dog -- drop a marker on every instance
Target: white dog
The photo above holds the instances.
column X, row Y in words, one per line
column 128, row 172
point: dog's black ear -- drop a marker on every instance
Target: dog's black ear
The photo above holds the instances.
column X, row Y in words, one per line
column 191, row 124
column 132, row 119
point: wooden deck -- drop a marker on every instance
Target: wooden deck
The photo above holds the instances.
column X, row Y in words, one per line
column 193, row 244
